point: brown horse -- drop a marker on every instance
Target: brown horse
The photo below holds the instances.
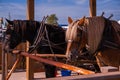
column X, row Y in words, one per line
column 98, row 35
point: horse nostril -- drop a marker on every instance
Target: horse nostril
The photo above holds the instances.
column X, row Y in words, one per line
column 6, row 48
column 6, row 43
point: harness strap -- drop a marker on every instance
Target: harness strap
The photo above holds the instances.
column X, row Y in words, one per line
column 53, row 44
column 111, row 45
column 39, row 35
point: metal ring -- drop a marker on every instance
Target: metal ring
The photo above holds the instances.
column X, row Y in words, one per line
column 70, row 40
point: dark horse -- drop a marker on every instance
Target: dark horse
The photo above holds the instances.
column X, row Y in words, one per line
column 44, row 38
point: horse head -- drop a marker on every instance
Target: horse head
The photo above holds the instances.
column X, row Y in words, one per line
column 12, row 36
column 75, row 36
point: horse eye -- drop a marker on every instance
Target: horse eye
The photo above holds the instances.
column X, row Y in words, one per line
column 12, row 28
column 79, row 34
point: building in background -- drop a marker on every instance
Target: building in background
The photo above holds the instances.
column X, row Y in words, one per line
column 2, row 28
column 64, row 26
column 119, row 21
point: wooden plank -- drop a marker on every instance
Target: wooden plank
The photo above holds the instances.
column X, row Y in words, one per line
column 50, row 55
column 92, row 8
column 30, row 16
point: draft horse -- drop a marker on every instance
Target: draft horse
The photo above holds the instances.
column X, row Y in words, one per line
column 45, row 38
column 97, row 36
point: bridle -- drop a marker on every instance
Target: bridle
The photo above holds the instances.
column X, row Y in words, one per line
column 79, row 44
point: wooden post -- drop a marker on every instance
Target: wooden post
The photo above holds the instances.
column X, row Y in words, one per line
column 4, row 71
column 30, row 9
column 4, row 57
column 4, row 64
column 92, row 7
column 30, row 16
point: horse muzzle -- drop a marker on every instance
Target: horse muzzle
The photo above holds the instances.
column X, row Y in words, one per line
column 6, row 47
column 68, row 48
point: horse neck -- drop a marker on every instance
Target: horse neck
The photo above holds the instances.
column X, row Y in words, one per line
column 30, row 30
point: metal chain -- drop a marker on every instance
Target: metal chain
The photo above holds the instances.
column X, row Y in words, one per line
column 50, row 43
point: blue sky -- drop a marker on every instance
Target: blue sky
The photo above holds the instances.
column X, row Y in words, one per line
column 62, row 8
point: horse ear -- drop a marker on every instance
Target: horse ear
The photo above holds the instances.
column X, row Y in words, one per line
column 9, row 22
column 70, row 20
column 81, row 21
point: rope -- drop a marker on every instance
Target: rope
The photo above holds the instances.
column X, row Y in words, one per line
column 50, row 44
column 40, row 31
column 39, row 35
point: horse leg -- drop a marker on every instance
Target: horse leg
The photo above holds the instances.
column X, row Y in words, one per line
column 97, row 68
column 99, row 60
column 50, row 71
column 109, row 57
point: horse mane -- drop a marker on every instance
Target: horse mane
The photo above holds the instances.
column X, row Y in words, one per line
column 95, row 28
column 21, row 25
column 71, row 32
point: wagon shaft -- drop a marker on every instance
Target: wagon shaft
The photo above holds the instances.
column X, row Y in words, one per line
column 57, row 64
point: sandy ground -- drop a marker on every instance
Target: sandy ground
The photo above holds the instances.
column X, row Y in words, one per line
column 37, row 76
column 22, row 76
